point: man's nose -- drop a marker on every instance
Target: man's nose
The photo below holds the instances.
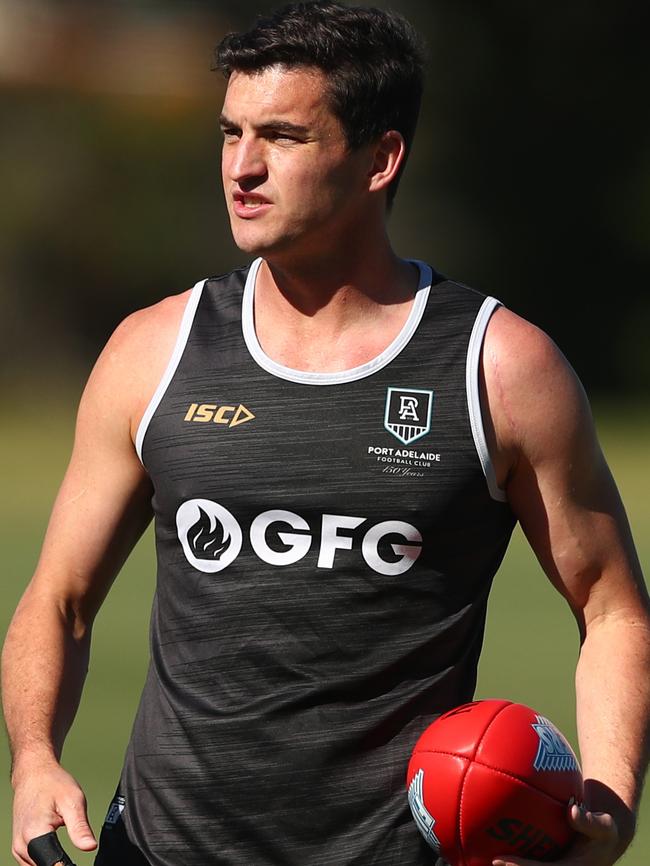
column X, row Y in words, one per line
column 246, row 160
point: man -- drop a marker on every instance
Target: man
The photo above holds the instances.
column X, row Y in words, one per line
column 335, row 444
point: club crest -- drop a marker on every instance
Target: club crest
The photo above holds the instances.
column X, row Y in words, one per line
column 408, row 413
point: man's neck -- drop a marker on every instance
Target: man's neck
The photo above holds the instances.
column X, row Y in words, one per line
column 332, row 315
column 334, row 286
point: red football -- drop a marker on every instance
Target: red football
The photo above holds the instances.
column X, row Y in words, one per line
column 492, row 778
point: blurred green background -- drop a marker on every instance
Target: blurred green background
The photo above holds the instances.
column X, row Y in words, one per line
column 530, row 179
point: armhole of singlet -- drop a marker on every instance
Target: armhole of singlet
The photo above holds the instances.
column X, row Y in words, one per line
column 179, row 348
column 474, row 397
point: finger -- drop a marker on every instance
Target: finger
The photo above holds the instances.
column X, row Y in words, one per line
column 46, row 850
column 34, row 829
column 595, row 828
column 75, row 818
column 596, row 825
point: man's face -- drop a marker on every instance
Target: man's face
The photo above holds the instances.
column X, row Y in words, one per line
column 291, row 183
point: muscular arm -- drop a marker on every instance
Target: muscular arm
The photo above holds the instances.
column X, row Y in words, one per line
column 558, row 483
column 101, row 510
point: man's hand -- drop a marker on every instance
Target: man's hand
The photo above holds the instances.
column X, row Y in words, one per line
column 46, row 798
column 598, row 842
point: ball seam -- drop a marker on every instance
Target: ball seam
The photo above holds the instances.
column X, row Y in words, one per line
column 461, row 844
column 503, row 772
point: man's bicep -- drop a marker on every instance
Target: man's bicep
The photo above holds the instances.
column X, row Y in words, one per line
column 103, row 505
column 559, row 484
column 574, row 520
column 98, row 516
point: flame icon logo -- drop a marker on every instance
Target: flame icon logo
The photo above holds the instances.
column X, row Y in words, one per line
column 207, row 538
column 209, row 534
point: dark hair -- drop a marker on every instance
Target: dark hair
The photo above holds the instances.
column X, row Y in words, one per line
column 373, row 61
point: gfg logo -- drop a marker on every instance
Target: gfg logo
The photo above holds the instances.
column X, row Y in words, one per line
column 212, row 538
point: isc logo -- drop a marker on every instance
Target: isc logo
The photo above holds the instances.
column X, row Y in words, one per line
column 230, row 415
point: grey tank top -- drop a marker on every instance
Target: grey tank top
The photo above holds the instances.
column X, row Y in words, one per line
column 326, row 544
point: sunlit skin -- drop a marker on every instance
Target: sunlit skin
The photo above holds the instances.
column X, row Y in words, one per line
column 288, row 173
column 315, row 209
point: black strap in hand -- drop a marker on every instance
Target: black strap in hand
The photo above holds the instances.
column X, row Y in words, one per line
column 47, row 851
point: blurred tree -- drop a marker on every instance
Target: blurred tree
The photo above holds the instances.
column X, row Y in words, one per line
column 530, row 177
column 540, row 189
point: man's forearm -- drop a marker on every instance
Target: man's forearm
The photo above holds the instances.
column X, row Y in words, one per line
column 613, row 712
column 44, row 664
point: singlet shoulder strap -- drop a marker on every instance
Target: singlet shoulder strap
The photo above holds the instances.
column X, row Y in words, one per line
column 477, row 337
column 179, row 348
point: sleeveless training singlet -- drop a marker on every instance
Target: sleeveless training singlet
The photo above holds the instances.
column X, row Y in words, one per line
column 326, row 544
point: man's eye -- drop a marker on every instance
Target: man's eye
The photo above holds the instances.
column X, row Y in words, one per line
column 281, row 136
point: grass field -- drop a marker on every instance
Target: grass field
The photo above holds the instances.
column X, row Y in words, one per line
column 530, row 647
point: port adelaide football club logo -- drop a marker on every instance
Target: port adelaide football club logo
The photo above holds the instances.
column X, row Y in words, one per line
column 408, row 413
column 407, row 417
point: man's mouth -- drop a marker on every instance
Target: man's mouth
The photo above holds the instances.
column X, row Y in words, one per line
column 249, row 205
column 250, row 199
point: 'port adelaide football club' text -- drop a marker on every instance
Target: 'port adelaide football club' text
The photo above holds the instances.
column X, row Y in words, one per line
column 407, row 416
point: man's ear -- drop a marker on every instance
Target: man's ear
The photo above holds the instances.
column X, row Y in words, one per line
column 389, row 155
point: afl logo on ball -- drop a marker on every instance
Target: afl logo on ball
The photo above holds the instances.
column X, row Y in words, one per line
column 408, row 413
column 553, row 752
column 423, row 818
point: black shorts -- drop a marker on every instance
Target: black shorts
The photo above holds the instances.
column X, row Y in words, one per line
column 115, row 847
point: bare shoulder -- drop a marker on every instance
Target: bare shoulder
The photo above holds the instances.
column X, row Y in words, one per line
column 146, row 337
column 134, row 359
column 547, row 457
column 535, row 402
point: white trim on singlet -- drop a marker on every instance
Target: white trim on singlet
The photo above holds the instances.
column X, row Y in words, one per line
column 179, row 348
column 336, row 378
column 474, row 397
